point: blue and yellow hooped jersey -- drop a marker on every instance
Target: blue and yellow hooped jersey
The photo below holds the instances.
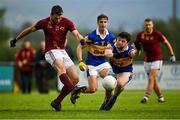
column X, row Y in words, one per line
column 124, row 63
column 96, row 47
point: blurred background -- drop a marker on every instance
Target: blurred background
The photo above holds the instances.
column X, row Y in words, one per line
column 124, row 15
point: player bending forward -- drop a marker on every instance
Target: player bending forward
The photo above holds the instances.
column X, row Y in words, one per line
column 121, row 58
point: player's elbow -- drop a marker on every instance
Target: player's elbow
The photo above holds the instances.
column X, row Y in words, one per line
column 31, row 29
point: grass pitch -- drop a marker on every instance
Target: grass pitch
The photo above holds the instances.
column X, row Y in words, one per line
column 128, row 106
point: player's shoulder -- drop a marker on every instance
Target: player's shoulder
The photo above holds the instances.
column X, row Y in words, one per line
column 157, row 32
column 65, row 19
column 111, row 35
column 43, row 21
column 47, row 19
column 140, row 33
column 130, row 47
column 92, row 34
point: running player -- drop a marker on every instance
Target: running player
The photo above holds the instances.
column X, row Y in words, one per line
column 96, row 63
column 150, row 40
column 121, row 58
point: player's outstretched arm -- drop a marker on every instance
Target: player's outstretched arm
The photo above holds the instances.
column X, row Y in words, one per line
column 108, row 51
column 22, row 34
column 79, row 51
column 77, row 35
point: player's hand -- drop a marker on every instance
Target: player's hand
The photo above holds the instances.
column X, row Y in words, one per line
column 118, row 55
column 83, row 42
column 13, row 42
column 172, row 58
column 137, row 45
column 83, row 66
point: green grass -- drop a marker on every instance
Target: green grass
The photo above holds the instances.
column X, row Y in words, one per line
column 128, row 106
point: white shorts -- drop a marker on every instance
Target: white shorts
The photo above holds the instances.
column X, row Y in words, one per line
column 152, row 65
column 55, row 54
column 94, row 70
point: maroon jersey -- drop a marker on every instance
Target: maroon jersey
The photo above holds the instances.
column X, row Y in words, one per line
column 55, row 36
column 25, row 55
column 151, row 45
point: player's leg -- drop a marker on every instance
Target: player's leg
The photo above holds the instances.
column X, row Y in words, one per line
column 92, row 84
column 68, row 85
column 104, row 70
column 72, row 73
column 92, row 80
column 91, row 88
column 157, row 88
column 147, row 68
column 71, row 69
column 150, row 86
column 55, row 58
column 122, row 80
column 103, row 73
column 152, row 69
column 158, row 92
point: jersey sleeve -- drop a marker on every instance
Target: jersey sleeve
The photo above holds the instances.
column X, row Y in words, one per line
column 138, row 37
column 71, row 25
column 162, row 38
column 131, row 48
column 112, row 39
column 39, row 24
column 89, row 39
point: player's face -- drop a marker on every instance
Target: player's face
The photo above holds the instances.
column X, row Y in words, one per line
column 121, row 42
column 148, row 26
column 102, row 24
column 55, row 19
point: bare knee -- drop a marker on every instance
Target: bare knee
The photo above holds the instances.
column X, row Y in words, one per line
column 119, row 85
column 75, row 80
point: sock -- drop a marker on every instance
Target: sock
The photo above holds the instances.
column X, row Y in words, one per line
column 146, row 96
column 114, row 97
column 67, row 88
column 161, row 98
column 66, row 81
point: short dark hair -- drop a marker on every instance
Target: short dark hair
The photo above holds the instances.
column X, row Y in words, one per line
column 102, row 16
column 125, row 35
column 148, row 20
column 56, row 10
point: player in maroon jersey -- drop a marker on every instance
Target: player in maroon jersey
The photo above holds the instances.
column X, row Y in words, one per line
column 55, row 29
column 150, row 40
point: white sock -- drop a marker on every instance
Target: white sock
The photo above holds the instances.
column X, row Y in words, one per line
column 161, row 98
column 145, row 97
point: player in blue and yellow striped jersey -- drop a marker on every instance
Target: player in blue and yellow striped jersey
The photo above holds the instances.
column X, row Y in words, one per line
column 96, row 63
column 121, row 58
